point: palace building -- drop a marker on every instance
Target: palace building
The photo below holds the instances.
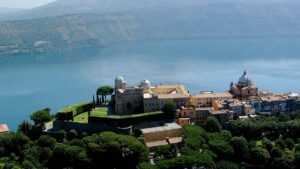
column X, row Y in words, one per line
column 147, row 98
column 244, row 89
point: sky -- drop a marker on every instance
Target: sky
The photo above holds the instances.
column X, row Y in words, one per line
column 26, row 4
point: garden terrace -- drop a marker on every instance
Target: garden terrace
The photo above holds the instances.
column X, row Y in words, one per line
column 98, row 112
column 68, row 113
column 116, row 120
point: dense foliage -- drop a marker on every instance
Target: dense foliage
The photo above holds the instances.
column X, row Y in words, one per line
column 105, row 149
column 170, row 110
column 104, row 91
column 211, row 146
column 41, row 116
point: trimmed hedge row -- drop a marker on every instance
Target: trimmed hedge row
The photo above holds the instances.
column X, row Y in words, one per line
column 127, row 120
column 68, row 113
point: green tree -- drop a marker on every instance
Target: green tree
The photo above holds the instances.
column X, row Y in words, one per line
column 228, row 165
column 126, row 151
column 259, row 155
column 297, row 156
column 170, row 110
column 276, row 152
column 41, row 116
column 283, row 162
column 267, row 144
column 46, row 141
column 104, row 91
column 240, row 147
column 146, row 165
column 61, row 135
column 212, row 124
column 289, row 142
column 194, row 136
column 219, row 143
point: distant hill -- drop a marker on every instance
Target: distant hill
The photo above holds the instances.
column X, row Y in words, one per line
column 4, row 10
column 69, row 24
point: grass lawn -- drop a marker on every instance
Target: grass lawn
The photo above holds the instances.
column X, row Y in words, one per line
column 72, row 107
column 131, row 115
column 102, row 112
column 98, row 112
column 81, row 118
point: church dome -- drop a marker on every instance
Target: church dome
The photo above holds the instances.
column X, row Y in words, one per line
column 244, row 78
column 145, row 83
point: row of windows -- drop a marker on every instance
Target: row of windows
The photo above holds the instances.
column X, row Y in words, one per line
column 216, row 98
column 151, row 104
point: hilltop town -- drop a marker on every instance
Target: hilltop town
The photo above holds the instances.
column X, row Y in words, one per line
column 161, row 127
column 159, row 111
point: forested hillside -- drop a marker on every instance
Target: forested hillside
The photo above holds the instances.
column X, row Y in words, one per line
column 62, row 26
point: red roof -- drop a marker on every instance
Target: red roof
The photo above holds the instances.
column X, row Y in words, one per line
column 4, row 128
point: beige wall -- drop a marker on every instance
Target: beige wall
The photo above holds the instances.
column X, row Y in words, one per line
column 161, row 135
column 208, row 101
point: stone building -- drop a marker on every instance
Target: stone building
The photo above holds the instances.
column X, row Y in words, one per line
column 169, row 133
column 238, row 107
column 205, row 99
column 272, row 104
column 147, row 98
column 192, row 115
column 244, row 89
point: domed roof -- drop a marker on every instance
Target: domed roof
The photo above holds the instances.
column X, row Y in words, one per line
column 145, row 83
column 119, row 79
column 244, row 78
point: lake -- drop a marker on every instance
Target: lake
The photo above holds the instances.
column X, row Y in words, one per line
column 54, row 80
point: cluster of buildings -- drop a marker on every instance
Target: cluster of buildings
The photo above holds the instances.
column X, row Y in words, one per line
column 242, row 99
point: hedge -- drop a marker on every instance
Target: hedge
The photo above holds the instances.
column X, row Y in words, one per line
column 68, row 113
column 127, row 119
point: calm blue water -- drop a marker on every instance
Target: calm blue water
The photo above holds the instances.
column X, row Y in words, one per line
column 29, row 83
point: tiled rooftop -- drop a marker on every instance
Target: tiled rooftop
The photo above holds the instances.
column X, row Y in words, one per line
column 213, row 95
column 4, row 128
column 167, row 126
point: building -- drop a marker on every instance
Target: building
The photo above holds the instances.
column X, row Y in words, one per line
column 147, row 98
column 169, row 133
column 244, row 89
column 205, row 99
column 222, row 115
column 157, row 96
column 192, row 115
column 272, row 104
column 4, row 128
column 295, row 99
column 238, row 107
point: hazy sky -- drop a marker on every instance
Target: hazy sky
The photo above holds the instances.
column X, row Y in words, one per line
column 23, row 3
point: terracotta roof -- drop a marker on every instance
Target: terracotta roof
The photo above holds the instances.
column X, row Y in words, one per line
column 213, row 95
column 274, row 98
column 216, row 112
column 171, row 96
column 173, row 140
column 166, row 127
column 4, row 128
